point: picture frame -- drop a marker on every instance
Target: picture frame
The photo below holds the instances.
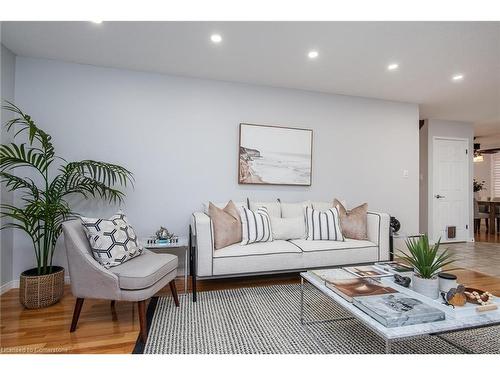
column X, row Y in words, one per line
column 274, row 155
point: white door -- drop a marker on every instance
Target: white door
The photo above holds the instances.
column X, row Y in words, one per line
column 450, row 193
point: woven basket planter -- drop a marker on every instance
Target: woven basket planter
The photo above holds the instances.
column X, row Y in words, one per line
column 36, row 292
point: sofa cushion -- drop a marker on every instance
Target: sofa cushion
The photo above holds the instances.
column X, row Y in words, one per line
column 294, row 209
column 308, row 246
column 221, row 205
column 255, row 226
column 323, row 225
column 322, row 206
column 353, row 222
column 290, row 228
column 226, row 223
column 258, row 248
column 273, row 208
column 113, row 241
column 144, row 271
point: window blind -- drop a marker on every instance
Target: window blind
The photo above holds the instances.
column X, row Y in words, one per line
column 495, row 172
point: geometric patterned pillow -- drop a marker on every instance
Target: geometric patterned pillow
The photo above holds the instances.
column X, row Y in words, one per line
column 113, row 241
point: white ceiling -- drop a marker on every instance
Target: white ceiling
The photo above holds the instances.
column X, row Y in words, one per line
column 352, row 57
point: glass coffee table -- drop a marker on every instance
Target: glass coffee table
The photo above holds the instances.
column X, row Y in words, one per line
column 390, row 335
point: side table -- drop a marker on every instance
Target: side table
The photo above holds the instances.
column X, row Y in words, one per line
column 182, row 244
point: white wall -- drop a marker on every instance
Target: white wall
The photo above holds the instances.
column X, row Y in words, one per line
column 7, row 93
column 180, row 138
column 453, row 129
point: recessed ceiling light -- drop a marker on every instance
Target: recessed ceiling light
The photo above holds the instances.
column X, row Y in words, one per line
column 392, row 66
column 97, row 21
column 457, row 77
column 216, row 38
column 312, row 54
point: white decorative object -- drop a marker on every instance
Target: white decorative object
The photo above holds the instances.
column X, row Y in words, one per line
column 427, row 287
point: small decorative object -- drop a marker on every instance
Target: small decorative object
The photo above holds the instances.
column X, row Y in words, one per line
column 395, row 224
column 447, row 281
column 427, row 263
column 163, row 234
column 478, row 296
column 456, row 296
column 274, row 155
column 402, row 280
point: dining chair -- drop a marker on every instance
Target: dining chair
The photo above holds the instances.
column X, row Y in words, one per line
column 478, row 215
column 136, row 280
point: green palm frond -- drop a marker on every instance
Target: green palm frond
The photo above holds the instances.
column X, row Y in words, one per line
column 43, row 209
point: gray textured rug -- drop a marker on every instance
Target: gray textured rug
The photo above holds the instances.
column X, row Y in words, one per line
column 265, row 320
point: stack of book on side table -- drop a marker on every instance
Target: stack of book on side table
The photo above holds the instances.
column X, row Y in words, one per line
column 359, row 285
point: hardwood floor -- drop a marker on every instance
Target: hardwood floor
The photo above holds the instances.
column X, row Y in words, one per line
column 103, row 329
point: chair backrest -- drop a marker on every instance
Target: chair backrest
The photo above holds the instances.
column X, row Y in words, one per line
column 496, row 199
column 85, row 272
column 476, row 207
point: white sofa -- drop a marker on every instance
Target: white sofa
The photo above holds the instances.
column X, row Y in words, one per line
column 279, row 255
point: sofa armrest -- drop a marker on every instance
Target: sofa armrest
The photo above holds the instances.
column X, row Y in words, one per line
column 204, row 242
column 378, row 225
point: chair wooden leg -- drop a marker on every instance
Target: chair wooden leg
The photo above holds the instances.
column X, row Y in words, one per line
column 487, row 225
column 173, row 289
column 477, row 224
column 142, row 321
column 113, row 304
column 76, row 314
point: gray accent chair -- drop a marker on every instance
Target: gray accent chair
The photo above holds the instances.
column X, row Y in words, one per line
column 136, row 280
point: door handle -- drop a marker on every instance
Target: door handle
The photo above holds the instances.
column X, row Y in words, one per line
column 439, row 196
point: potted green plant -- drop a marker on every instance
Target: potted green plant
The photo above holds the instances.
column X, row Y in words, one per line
column 41, row 205
column 426, row 262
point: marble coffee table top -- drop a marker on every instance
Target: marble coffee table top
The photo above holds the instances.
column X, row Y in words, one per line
column 451, row 323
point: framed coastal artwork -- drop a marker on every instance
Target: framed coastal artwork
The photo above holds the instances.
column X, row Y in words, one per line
column 275, row 155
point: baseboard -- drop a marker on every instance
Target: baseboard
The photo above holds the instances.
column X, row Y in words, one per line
column 8, row 286
column 14, row 284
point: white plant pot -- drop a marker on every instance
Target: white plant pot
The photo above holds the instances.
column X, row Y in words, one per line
column 426, row 287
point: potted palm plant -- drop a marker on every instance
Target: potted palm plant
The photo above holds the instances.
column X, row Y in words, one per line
column 426, row 262
column 42, row 204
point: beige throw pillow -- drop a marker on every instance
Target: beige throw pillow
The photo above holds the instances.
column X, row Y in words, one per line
column 227, row 224
column 353, row 223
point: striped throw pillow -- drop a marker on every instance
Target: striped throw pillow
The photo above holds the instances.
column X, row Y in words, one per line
column 323, row 225
column 255, row 226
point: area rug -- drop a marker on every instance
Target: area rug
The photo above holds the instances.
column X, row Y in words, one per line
column 265, row 320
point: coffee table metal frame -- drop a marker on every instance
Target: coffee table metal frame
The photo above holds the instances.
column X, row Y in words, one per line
column 350, row 308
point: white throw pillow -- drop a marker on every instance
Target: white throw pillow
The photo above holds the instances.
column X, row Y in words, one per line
column 323, row 225
column 322, row 206
column 273, row 208
column 292, row 228
column 294, row 209
column 255, row 226
column 113, row 241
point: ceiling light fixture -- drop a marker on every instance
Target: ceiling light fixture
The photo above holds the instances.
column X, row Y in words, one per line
column 313, row 54
column 392, row 66
column 97, row 21
column 215, row 38
column 457, row 77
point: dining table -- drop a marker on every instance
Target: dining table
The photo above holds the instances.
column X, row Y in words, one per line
column 492, row 205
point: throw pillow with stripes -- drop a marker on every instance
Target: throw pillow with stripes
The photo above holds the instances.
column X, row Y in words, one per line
column 255, row 226
column 323, row 225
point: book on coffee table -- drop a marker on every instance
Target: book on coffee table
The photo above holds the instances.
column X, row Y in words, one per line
column 367, row 271
column 398, row 309
column 356, row 287
column 395, row 267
